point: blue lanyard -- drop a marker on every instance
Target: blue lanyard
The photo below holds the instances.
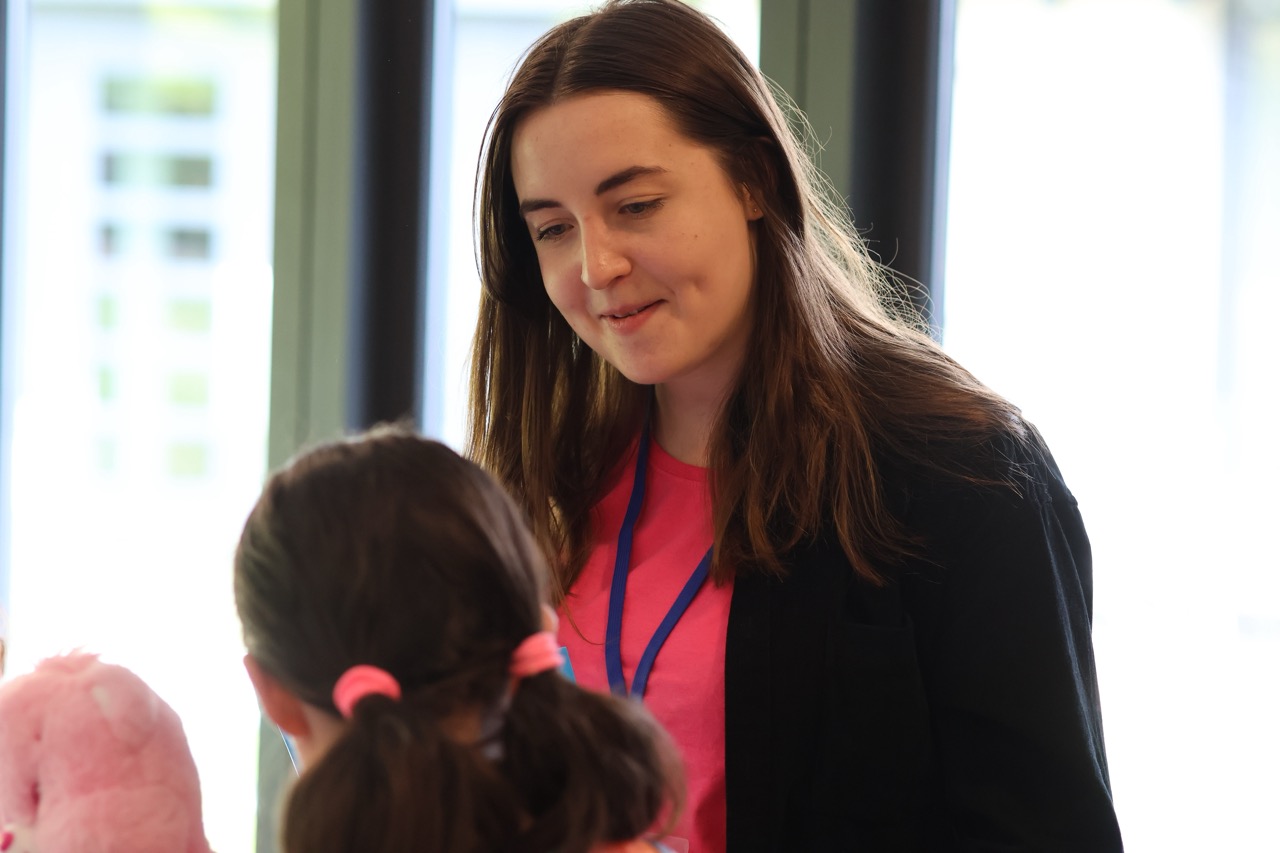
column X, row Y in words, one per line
column 618, row 591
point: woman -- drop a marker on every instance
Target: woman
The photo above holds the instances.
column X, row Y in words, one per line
column 684, row 368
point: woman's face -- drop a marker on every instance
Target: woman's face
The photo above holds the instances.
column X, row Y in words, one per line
column 643, row 240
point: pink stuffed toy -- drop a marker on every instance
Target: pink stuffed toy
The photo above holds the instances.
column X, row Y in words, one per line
column 93, row 761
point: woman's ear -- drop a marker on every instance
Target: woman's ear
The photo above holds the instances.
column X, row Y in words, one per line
column 750, row 205
column 281, row 707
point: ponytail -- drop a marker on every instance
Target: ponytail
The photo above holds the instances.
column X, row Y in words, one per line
column 396, row 782
column 576, row 770
column 591, row 768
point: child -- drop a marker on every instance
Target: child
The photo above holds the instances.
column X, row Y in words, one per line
column 392, row 605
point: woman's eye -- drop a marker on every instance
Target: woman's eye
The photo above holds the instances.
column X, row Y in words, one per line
column 637, row 208
column 551, row 232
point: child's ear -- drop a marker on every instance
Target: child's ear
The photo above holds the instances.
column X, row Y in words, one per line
column 281, row 707
column 550, row 622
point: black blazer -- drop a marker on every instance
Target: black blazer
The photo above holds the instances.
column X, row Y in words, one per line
column 954, row 709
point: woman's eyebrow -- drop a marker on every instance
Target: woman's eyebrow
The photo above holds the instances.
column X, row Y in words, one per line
column 529, row 205
column 618, row 179
column 610, row 183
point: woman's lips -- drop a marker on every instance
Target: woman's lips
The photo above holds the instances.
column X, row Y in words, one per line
column 628, row 318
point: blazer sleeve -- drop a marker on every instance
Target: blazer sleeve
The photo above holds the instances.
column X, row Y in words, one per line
column 1003, row 611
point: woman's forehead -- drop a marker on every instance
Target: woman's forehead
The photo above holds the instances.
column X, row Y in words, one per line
column 587, row 137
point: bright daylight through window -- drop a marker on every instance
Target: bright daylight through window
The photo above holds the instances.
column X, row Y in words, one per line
column 137, row 311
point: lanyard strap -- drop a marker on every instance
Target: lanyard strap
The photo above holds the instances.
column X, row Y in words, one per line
column 618, row 590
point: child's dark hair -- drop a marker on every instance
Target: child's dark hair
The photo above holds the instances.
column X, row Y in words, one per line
column 391, row 550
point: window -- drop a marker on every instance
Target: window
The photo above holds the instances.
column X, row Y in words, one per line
column 1112, row 268
column 171, row 170
column 187, row 243
column 137, row 304
column 159, row 95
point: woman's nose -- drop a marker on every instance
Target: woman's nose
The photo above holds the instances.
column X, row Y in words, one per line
column 602, row 260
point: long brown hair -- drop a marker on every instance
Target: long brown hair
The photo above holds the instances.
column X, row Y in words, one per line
column 837, row 379
column 391, row 550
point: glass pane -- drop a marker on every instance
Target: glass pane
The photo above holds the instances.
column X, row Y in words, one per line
column 137, row 305
column 479, row 44
column 1114, row 201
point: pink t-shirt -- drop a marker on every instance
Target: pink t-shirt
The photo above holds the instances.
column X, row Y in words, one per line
column 686, row 685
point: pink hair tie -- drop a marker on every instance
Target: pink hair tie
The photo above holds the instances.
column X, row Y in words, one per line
column 538, row 653
column 359, row 682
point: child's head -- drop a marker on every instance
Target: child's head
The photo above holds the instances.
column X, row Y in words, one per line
column 391, row 551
